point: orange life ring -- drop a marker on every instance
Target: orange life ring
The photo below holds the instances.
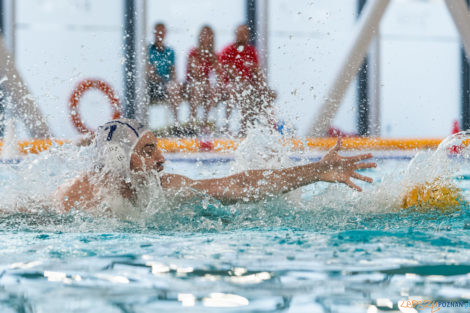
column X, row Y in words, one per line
column 81, row 88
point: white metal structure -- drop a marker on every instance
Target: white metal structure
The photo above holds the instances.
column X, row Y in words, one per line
column 367, row 27
column 141, row 99
column 22, row 105
column 373, row 72
column 9, row 15
column 458, row 9
column 19, row 102
column 262, row 33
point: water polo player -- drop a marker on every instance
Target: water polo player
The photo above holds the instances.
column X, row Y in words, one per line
column 129, row 160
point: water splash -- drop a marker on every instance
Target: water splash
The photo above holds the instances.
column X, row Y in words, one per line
column 10, row 148
column 319, row 206
column 265, row 148
column 428, row 181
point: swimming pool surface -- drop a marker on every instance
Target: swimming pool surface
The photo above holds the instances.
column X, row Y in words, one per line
column 324, row 249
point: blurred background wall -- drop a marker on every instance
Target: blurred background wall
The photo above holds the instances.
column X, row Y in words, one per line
column 60, row 42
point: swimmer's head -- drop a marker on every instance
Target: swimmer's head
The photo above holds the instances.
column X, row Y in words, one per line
column 125, row 144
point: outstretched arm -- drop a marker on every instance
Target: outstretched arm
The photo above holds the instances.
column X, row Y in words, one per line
column 257, row 184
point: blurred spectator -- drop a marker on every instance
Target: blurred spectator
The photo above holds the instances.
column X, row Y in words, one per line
column 202, row 66
column 243, row 83
column 161, row 74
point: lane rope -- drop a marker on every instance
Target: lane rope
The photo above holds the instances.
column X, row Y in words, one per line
column 78, row 92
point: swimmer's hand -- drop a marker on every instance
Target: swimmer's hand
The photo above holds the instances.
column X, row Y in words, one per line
column 335, row 168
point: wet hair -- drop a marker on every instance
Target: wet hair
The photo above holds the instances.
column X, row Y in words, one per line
column 247, row 28
column 211, row 31
column 244, row 25
column 159, row 24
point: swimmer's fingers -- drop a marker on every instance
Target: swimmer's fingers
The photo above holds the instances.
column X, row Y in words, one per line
column 365, row 165
column 352, row 185
column 362, row 177
column 360, row 157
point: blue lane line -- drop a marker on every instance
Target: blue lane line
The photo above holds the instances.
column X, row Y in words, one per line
column 293, row 158
column 10, row 161
column 376, row 158
column 221, row 159
column 201, row 160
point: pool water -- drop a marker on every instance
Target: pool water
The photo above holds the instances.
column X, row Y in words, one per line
column 325, row 248
column 245, row 270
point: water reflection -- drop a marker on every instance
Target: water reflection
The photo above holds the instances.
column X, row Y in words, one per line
column 221, row 300
column 187, row 299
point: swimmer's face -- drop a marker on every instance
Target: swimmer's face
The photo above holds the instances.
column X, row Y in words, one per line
column 146, row 155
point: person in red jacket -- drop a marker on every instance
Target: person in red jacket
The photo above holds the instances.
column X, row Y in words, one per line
column 202, row 66
column 243, row 82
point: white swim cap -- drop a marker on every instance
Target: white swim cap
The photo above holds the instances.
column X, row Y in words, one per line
column 115, row 142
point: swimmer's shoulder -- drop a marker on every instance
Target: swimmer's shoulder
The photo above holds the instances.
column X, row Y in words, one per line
column 79, row 191
column 175, row 181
